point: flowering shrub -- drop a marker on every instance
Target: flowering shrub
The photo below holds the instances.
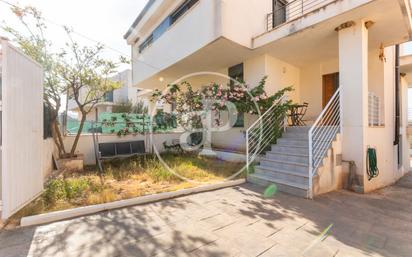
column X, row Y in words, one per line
column 189, row 102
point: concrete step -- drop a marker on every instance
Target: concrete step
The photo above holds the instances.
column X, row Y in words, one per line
column 282, row 185
column 299, row 142
column 295, row 135
column 293, row 142
column 285, row 165
column 292, row 176
column 279, row 156
column 290, row 149
column 298, row 129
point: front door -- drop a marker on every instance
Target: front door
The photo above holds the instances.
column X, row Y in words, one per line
column 330, row 85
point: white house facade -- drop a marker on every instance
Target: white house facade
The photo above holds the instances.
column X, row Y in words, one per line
column 339, row 55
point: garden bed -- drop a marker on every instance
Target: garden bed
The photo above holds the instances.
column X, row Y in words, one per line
column 126, row 179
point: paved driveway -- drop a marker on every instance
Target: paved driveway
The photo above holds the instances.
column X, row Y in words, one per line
column 233, row 222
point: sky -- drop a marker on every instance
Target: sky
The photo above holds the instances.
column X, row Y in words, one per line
column 105, row 21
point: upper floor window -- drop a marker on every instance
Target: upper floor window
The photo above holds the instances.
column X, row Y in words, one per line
column 161, row 28
column 108, row 96
column 166, row 23
column 146, row 43
column 279, row 12
column 182, row 9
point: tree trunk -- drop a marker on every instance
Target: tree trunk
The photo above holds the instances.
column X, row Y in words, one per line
column 56, row 141
column 79, row 132
column 59, row 138
column 56, row 133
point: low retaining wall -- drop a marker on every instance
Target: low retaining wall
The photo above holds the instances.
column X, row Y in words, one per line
column 92, row 209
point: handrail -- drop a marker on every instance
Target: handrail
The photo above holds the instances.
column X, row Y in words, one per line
column 322, row 133
column 292, row 10
column 264, row 131
column 265, row 114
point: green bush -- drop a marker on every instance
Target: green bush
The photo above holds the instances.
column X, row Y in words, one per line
column 62, row 189
column 54, row 191
column 75, row 187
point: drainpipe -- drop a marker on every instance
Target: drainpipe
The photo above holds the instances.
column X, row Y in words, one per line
column 397, row 98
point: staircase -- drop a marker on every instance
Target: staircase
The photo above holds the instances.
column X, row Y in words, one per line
column 292, row 162
column 287, row 163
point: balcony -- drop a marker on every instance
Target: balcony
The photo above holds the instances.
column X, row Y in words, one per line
column 284, row 11
column 324, row 16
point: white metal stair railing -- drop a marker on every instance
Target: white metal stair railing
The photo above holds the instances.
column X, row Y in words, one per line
column 264, row 131
column 322, row 134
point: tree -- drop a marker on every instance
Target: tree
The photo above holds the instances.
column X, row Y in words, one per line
column 79, row 72
column 34, row 43
column 86, row 75
column 189, row 102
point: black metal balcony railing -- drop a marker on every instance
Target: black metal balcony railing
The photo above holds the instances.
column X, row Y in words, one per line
column 286, row 11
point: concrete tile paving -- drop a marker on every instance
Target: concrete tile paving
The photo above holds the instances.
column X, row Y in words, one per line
column 236, row 222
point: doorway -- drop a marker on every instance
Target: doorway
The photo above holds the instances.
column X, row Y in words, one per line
column 278, row 12
column 329, row 87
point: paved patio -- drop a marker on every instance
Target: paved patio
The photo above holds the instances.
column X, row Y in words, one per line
column 233, row 222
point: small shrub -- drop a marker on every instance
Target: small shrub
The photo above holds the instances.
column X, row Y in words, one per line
column 75, row 188
column 65, row 189
column 54, row 192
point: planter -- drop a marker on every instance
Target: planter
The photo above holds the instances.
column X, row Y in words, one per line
column 74, row 164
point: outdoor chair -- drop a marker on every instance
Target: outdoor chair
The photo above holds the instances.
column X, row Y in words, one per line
column 297, row 114
column 173, row 145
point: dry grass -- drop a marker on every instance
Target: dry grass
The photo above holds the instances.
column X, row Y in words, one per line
column 128, row 178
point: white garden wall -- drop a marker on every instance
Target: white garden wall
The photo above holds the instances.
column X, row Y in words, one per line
column 49, row 149
column 22, row 129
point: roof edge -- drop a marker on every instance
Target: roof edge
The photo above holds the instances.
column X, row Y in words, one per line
column 139, row 18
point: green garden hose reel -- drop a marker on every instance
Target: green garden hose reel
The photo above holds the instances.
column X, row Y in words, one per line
column 372, row 163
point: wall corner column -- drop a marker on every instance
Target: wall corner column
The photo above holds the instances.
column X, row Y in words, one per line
column 353, row 75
